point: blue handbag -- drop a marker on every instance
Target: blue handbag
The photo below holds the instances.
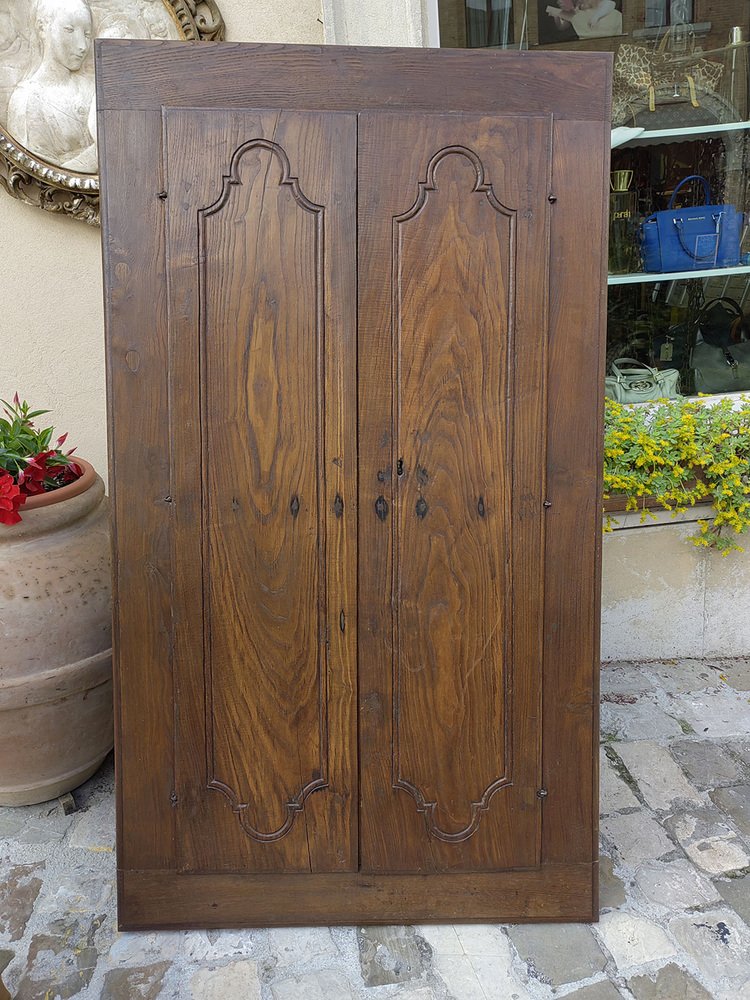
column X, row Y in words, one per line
column 688, row 239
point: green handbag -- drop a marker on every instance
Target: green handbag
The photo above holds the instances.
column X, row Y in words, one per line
column 632, row 381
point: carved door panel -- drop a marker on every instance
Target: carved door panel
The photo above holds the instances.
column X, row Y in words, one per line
column 263, row 240
column 261, row 289
column 340, row 345
column 453, row 257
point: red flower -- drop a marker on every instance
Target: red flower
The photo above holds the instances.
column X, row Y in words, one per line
column 31, row 477
column 71, row 472
column 11, row 499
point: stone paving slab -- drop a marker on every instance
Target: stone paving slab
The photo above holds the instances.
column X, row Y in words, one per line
column 596, row 991
column 736, row 892
column 675, row 888
column 735, row 802
column 614, row 792
column 721, row 713
column 717, row 942
column 643, row 720
column 736, row 672
column 679, row 676
column 660, row 779
column 709, row 839
column 708, row 764
column 676, row 885
column 669, row 983
column 637, row 836
column 633, row 940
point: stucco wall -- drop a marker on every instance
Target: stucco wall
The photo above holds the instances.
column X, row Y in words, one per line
column 51, row 325
column 663, row 598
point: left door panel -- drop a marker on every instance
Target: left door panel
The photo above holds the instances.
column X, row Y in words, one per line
column 261, row 251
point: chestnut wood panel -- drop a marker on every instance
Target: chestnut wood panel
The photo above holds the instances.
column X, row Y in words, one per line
column 575, row 436
column 138, row 74
column 159, row 900
column 261, row 217
column 153, row 402
column 452, row 338
column 135, row 312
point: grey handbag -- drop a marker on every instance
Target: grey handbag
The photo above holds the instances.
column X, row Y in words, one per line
column 632, row 381
column 721, row 369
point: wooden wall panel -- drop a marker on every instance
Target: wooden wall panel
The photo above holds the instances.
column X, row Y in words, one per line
column 135, row 81
column 451, row 346
column 261, row 290
column 139, row 481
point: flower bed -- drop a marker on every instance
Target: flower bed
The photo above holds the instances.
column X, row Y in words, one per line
column 675, row 454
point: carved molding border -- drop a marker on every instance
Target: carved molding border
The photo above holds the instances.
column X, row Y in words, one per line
column 294, row 803
column 398, row 780
column 35, row 181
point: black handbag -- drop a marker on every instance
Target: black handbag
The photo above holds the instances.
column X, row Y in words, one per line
column 722, row 322
column 721, row 361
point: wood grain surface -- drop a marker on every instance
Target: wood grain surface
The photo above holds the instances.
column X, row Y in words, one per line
column 135, row 311
column 147, row 75
column 575, row 441
column 451, row 348
column 261, row 282
column 161, row 900
column 236, row 498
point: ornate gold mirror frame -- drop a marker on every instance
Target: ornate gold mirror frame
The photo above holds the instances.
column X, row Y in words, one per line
column 47, row 130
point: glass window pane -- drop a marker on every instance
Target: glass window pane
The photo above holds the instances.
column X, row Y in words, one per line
column 681, row 79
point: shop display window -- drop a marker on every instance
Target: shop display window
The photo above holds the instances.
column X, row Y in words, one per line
column 679, row 240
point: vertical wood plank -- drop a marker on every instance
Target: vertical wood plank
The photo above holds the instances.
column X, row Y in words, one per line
column 261, row 289
column 136, row 332
column 453, row 250
column 574, row 476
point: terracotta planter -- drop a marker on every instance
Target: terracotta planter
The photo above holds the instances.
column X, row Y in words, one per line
column 55, row 643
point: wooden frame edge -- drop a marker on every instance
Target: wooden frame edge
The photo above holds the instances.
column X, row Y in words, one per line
column 163, row 900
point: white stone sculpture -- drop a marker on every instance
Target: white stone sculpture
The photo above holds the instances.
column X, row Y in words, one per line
column 50, row 110
column 48, row 152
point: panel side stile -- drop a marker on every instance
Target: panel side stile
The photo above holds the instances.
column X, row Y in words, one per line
column 574, row 463
column 186, row 496
column 136, row 338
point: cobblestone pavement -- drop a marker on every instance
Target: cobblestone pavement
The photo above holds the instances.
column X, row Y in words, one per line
column 675, row 922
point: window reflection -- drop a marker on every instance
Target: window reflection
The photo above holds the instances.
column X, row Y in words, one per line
column 489, row 23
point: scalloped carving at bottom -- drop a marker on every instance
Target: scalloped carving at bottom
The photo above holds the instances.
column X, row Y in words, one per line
column 428, row 810
column 293, row 807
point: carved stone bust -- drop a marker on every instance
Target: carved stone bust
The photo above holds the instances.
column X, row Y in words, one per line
column 50, row 110
column 47, row 109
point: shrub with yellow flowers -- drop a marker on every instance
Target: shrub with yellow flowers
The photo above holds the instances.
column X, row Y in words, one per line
column 683, row 452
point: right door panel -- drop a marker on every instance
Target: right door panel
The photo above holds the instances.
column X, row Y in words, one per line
column 453, row 258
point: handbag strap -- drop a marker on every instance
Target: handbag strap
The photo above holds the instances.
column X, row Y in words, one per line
column 685, row 180
column 738, row 326
column 678, row 224
column 631, row 362
column 721, row 298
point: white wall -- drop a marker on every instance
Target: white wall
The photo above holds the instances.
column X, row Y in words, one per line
column 51, row 325
column 663, row 598
column 388, row 22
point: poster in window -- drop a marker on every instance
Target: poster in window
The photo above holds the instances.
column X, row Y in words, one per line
column 571, row 20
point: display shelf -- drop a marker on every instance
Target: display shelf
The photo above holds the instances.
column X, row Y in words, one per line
column 642, row 277
column 657, row 136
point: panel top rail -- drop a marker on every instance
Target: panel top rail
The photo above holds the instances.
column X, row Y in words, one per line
column 146, row 75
